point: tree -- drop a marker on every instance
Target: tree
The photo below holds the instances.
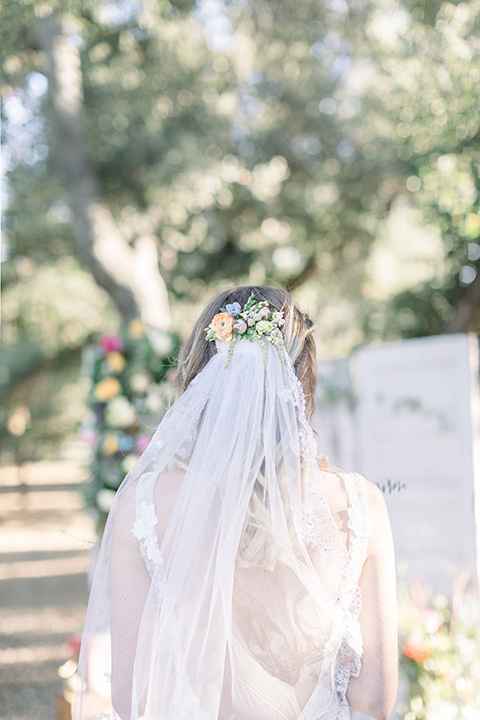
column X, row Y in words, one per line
column 421, row 116
column 128, row 272
column 281, row 154
column 331, row 147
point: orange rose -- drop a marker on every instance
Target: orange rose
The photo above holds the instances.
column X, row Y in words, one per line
column 418, row 652
column 222, row 325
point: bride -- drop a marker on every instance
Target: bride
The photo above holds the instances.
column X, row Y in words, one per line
column 241, row 577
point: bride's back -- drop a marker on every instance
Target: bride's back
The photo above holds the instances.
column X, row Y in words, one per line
column 279, row 646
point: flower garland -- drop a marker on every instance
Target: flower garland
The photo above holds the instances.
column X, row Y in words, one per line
column 128, row 395
column 255, row 322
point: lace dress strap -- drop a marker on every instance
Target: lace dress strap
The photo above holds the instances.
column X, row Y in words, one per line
column 145, row 525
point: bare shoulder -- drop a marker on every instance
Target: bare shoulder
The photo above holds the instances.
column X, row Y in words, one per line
column 167, row 489
column 125, row 550
column 124, row 511
column 375, row 499
column 126, row 496
column 168, row 485
column 381, row 538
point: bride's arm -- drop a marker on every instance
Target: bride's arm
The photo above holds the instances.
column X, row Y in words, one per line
column 130, row 586
column 374, row 691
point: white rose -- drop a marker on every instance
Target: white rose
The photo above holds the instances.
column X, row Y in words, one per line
column 153, row 401
column 105, row 498
column 161, row 342
column 120, row 413
column 140, row 382
column 129, row 462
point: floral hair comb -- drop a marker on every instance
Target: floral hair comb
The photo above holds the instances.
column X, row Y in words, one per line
column 255, row 322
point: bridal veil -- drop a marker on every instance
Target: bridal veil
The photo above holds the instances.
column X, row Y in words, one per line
column 244, row 604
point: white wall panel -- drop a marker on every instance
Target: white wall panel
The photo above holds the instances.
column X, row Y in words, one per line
column 408, row 412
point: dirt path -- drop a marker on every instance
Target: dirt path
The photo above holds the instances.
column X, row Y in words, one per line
column 44, row 543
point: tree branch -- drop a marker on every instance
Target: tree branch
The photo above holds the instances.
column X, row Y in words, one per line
column 304, row 275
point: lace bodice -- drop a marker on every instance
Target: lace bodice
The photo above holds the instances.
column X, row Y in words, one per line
column 348, row 659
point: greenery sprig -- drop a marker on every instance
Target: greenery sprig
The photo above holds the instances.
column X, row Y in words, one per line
column 391, row 486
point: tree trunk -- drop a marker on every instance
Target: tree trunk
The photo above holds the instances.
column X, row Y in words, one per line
column 467, row 310
column 129, row 274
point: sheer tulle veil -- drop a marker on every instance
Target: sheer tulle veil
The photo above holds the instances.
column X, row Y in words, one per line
column 231, row 614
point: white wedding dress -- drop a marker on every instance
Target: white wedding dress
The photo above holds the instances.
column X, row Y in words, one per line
column 198, row 629
column 277, row 676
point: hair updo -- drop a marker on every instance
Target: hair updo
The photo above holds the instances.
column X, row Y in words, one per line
column 297, row 334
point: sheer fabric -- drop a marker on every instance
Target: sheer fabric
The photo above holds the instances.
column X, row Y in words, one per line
column 224, row 588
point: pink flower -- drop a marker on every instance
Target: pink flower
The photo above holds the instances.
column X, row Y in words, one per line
column 431, row 621
column 264, row 313
column 142, row 442
column 111, row 343
column 240, row 326
column 89, row 436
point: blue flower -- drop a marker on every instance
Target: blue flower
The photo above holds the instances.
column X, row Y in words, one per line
column 126, row 443
column 233, row 309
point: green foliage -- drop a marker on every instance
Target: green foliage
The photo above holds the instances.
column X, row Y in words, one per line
column 391, row 487
column 56, row 306
column 41, row 414
column 48, row 314
column 421, row 111
column 332, row 147
column 127, row 374
column 289, row 146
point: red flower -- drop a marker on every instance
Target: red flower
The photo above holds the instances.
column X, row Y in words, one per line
column 74, row 641
column 419, row 653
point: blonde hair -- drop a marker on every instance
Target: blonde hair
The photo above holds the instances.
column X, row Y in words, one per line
column 297, row 333
column 256, row 547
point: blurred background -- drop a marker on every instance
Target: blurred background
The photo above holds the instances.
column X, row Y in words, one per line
column 156, row 152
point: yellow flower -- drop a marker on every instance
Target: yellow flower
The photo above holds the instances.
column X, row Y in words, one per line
column 110, row 444
column 136, row 328
column 116, row 361
column 106, row 389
